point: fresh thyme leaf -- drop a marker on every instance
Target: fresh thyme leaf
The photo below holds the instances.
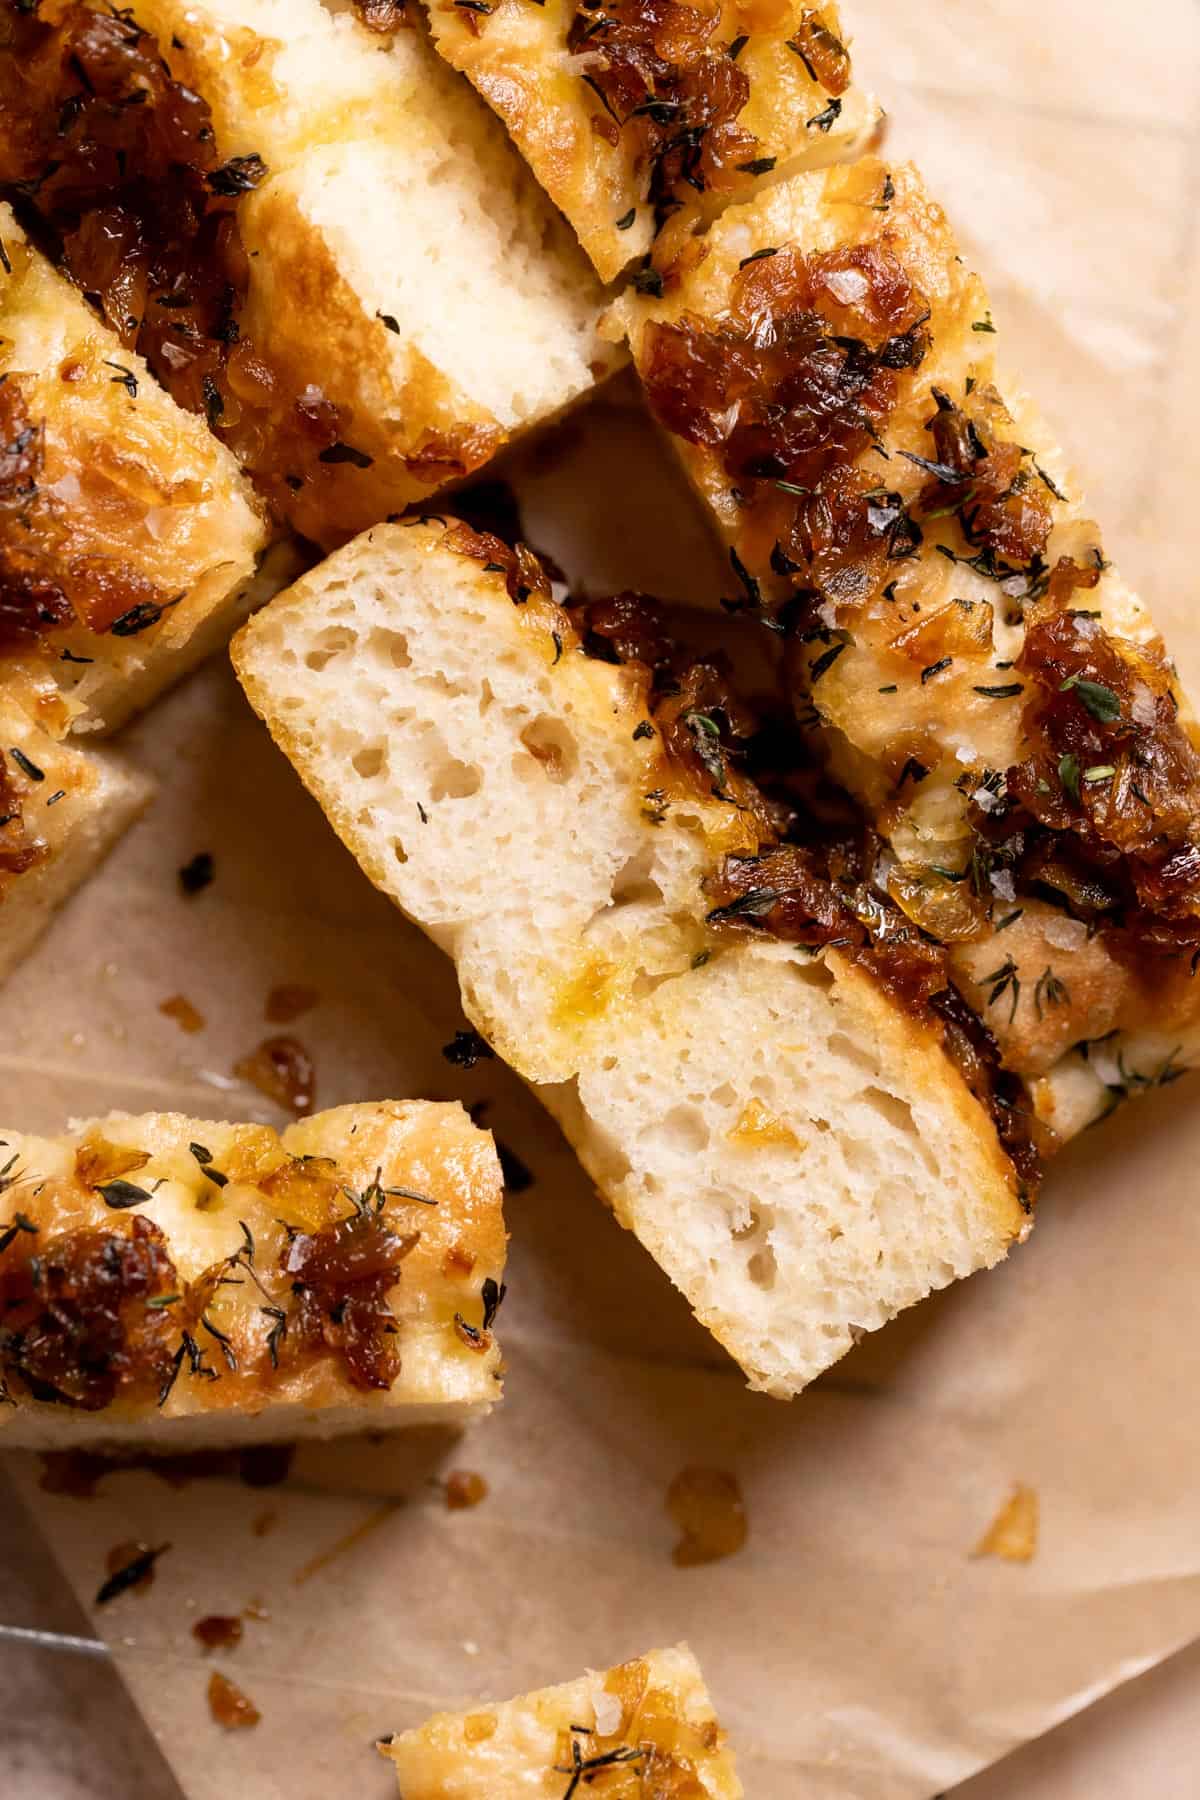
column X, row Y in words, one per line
column 1100, row 701
column 1068, row 774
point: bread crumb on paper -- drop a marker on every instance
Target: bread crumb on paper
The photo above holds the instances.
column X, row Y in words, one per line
column 1013, row 1533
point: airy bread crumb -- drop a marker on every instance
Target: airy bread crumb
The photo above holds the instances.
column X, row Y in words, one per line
column 489, row 777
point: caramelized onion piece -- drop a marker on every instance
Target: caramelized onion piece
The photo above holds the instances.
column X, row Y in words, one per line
column 664, row 83
column 77, row 1319
column 342, row 1276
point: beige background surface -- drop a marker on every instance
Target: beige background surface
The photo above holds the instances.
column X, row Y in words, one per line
column 854, row 1646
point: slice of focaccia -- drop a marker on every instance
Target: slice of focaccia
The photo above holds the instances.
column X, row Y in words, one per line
column 330, row 247
column 61, row 811
column 128, row 535
column 177, row 1282
column 639, row 113
column 791, row 1143
column 645, row 1727
column 979, row 673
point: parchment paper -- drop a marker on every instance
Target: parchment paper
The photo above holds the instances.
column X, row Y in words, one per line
column 854, row 1646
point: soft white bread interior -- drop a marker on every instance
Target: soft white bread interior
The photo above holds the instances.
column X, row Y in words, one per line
column 401, row 257
column 651, row 1718
column 122, row 504
column 799, row 1156
column 178, row 1282
column 61, row 811
column 593, row 155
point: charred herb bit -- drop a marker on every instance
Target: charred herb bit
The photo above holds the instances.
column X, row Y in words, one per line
column 738, row 44
column 121, row 1194
column 883, row 204
column 124, row 378
column 984, row 324
column 140, row 617
column 197, row 873
column 937, row 668
column 1004, row 691
column 26, row 764
column 583, row 1768
column 644, row 729
column 130, row 1574
column 1004, row 980
column 626, row 219
column 826, row 120
column 826, row 661
column 238, row 176
column 758, row 165
column 18, row 1223
column 648, row 281
column 277, row 1333
column 392, row 324
column 1050, row 991
column 493, row 1298
column 759, row 255
column 467, row 1048
column 473, row 1336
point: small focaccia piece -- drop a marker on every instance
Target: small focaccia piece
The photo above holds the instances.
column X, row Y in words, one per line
column 411, row 298
column 796, row 1150
column 177, row 1282
column 643, row 111
column 980, row 675
column 128, row 535
column 645, row 1727
column 61, row 811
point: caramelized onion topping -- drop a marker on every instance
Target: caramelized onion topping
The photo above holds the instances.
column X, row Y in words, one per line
column 77, row 1323
column 114, row 167
column 342, row 1276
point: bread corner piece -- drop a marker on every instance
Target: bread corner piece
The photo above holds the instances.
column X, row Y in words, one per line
column 403, row 263
column 798, row 1155
column 128, row 534
column 733, row 102
column 643, row 1727
column 61, row 811
column 175, row 1282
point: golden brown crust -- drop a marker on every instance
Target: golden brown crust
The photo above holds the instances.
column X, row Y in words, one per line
column 126, row 528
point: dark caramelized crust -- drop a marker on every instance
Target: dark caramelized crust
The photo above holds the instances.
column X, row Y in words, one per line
column 116, row 166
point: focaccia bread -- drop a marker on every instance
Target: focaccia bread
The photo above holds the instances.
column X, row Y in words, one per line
column 61, row 811
column 977, row 670
column 177, row 1282
column 644, row 1728
column 128, row 535
column 333, row 251
column 793, row 1145
column 641, row 112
